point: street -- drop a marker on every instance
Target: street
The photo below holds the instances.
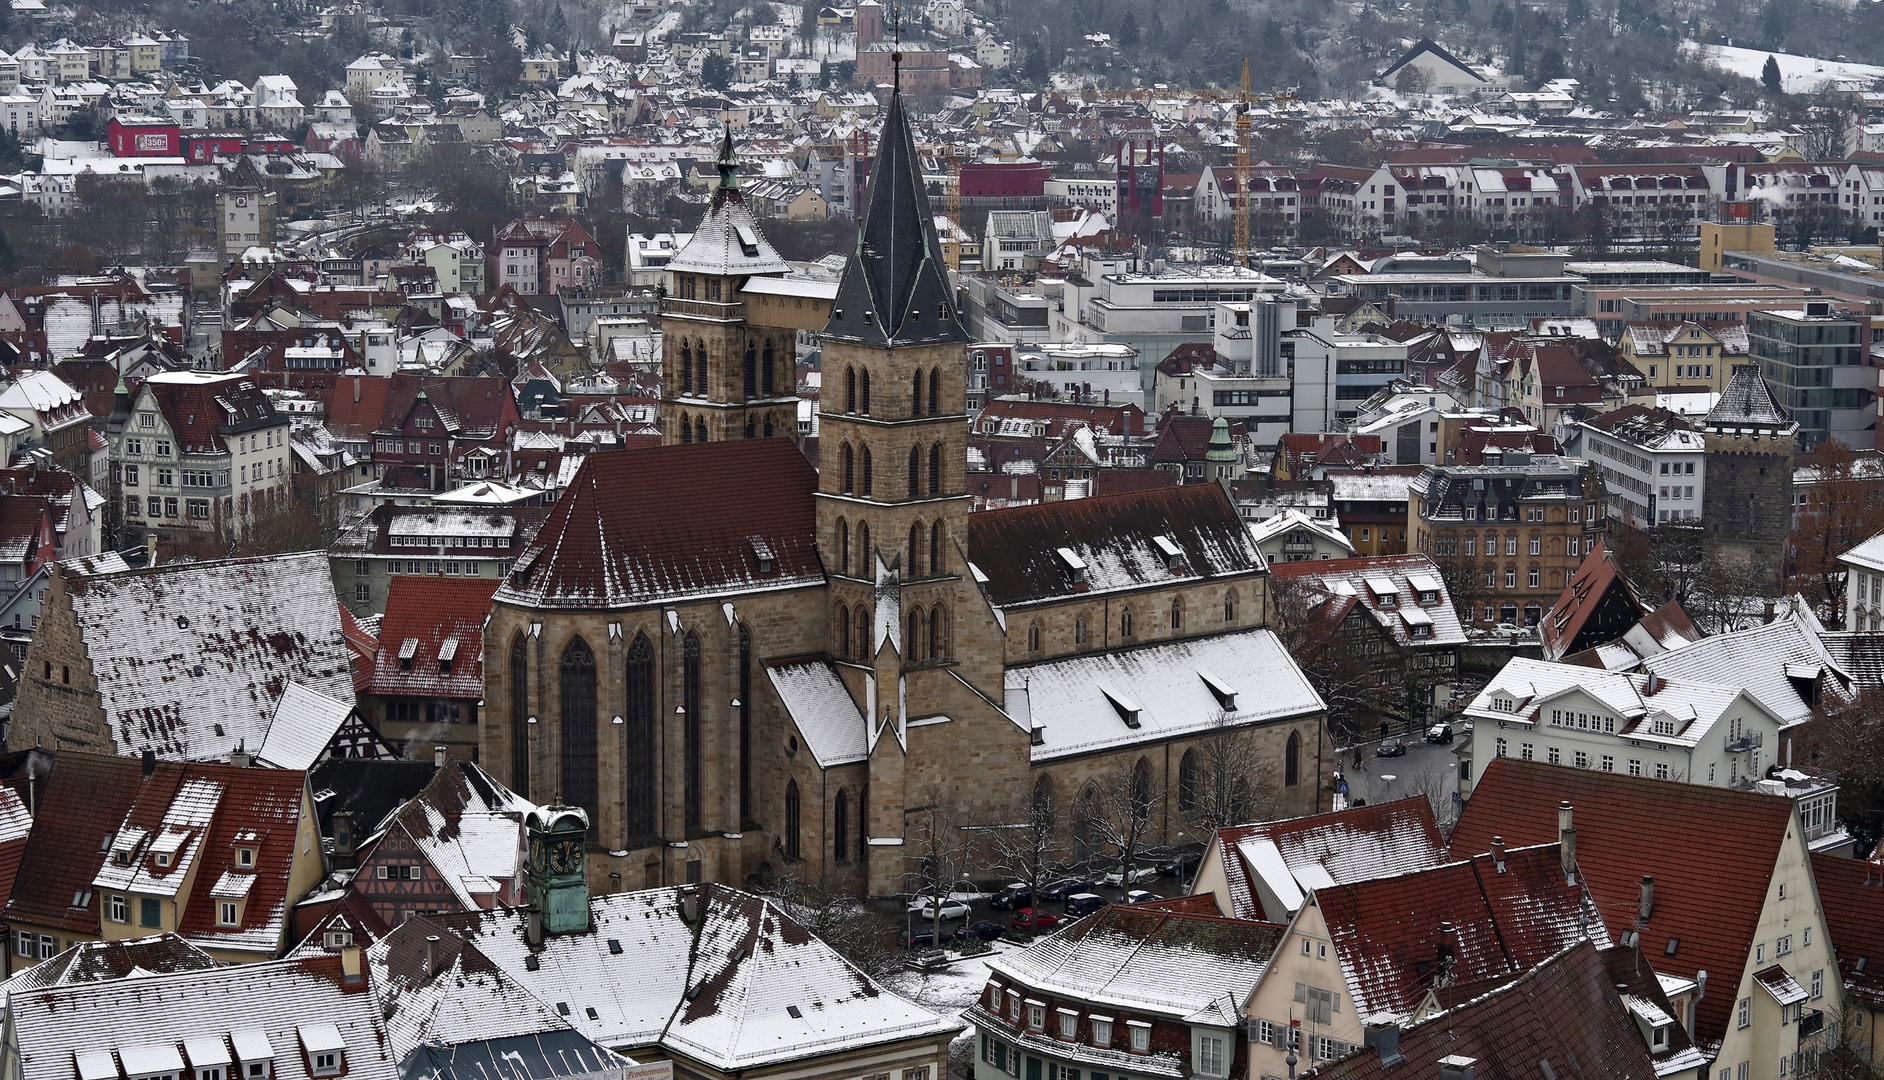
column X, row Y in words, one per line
column 1424, row 768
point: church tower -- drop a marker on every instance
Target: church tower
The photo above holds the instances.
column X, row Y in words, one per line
column 893, row 450
column 720, row 377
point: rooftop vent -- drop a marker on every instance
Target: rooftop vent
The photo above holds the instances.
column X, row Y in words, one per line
column 1456, row 1067
column 762, row 552
column 1222, row 691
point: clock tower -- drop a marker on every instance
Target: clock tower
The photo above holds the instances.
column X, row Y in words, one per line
column 559, row 883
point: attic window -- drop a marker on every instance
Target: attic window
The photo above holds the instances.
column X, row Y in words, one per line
column 614, row 947
column 407, row 650
column 1075, row 566
column 447, row 652
column 1222, row 691
column 1127, row 709
column 183, row 622
column 245, row 857
column 1173, row 554
column 748, row 240
column 1674, row 943
column 793, row 1009
column 762, row 552
column 163, row 858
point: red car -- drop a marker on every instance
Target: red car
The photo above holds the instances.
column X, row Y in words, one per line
column 1029, row 919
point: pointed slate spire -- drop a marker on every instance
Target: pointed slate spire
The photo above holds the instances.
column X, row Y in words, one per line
column 895, row 288
column 729, row 163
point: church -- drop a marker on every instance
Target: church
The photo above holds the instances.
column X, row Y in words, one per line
column 738, row 663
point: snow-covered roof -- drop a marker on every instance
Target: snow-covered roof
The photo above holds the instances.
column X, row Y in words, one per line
column 1083, row 704
column 304, row 724
column 814, row 697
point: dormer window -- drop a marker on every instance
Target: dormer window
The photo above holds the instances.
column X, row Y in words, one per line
column 245, row 857
column 1172, row 554
column 1074, row 566
column 1658, row 1041
column 326, row 1050
column 762, row 554
column 1141, row 1036
column 163, row 858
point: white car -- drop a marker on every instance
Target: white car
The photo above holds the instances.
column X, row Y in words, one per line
column 1130, row 877
column 924, row 908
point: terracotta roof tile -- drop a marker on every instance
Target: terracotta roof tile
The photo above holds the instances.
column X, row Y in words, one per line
column 440, row 615
column 85, row 801
column 1852, row 893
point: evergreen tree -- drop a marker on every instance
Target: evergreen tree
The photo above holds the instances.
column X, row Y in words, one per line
column 1128, row 31
column 1769, row 75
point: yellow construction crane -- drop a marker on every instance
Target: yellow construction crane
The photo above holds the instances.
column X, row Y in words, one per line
column 1239, row 256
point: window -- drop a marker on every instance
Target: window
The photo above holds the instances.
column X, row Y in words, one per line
column 1782, row 946
column 327, row 1063
column 1210, row 1055
column 1661, row 770
column 130, row 475
column 1036, row 1017
column 1555, row 755
column 1125, row 623
column 226, row 913
column 1527, row 752
column 25, row 944
column 576, row 686
column 1537, row 545
column 1744, row 1015
column 1102, row 1032
column 1635, row 767
column 1818, row 984
column 1069, row 1025
column 48, row 946
column 1581, row 760
column 1609, row 763
column 120, row 909
column 150, row 913
column 1141, row 1037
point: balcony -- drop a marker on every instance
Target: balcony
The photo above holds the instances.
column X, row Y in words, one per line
column 1752, row 740
column 1811, row 1024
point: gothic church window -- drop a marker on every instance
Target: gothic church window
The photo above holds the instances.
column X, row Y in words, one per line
column 692, row 732
column 638, row 763
column 520, row 716
column 577, row 685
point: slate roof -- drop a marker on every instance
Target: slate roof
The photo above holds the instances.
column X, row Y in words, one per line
column 303, row 726
column 191, row 658
column 1564, row 1012
column 633, row 528
column 1708, row 898
column 1352, row 582
column 1388, row 931
column 85, row 800
column 727, row 241
column 822, row 709
column 1748, row 402
column 200, row 406
column 1157, row 962
column 433, row 623
column 1017, row 549
column 1339, row 848
column 895, row 288
column 16, row 827
column 748, row 965
column 1852, row 894
column 103, row 961
column 1103, row 700
column 282, row 1003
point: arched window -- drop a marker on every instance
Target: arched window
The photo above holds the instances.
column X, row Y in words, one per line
column 745, row 725
column 915, row 408
column 850, row 390
column 749, row 430
column 639, row 764
column 935, row 397
column 843, row 546
column 863, row 822
column 791, row 820
column 750, row 373
column 938, row 625
column 1187, row 781
column 865, row 566
column 1141, row 790
column 1033, row 637
column 1043, row 796
column 1079, row 629
column 1125, row 623
column 865, row 647
column 693, row 751
column 768, row 427
column 1177, row 613
column 866, row 392
column 850, row 469
column 935, row 547
column 686, row 428
column 912, row 645
column 700, row 368
column 520, row 716
column 578, row 727
column 911, row 568
column 686, row 367
column 935, row 468
column 843, row 630
column 1292, row 761
column 1229, row 606
column 870, row 484
column 840, row 826
column 699, row 430
column 766, row 380
column 915, row 468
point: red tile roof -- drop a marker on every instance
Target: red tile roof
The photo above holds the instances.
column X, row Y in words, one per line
column 1852, row 893
column 356, row 404
column 1563, row 626
column 1121, row 418
column 1351, row 845
column 428, row 612
column 84, row 803
column 1708, row 897
column 643, row 526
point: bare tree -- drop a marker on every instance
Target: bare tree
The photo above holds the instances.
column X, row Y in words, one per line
column 1028, row 845
column 838, row 919
column 943, row 853
column 1344, row 659
column 1843, row 508
column 1223, row 780
column 1441, row 791
column 1115, row 813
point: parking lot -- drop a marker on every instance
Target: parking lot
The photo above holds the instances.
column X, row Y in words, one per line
column 981, row 908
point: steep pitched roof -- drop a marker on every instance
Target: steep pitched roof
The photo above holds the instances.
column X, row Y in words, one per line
column 1116, row 540
column 190, row 658
column 431, row 642
column 103, row 961
column 895, row 288
column 1577, row 608
column 1747, row 402
column 84, row 802
column 1564, row 1012
column 469, row 827
column 1338, row 848
column 650, row 525
column 1707, row 898
column 728, row 241
column 1850, row 891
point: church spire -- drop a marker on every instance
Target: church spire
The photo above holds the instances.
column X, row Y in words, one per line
column 729, row 161
column 895, row 288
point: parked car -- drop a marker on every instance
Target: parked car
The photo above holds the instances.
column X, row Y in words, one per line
column 916, row 939
column 1065, row 887
column 1182, row 865
column 1084, row 903
column 1390, row 747
column 924, row 908
column 983, row 929
column 1033, row 919
column 1012, row 896
column 1142, row 896
column 1134, row 875
column 1439, row 733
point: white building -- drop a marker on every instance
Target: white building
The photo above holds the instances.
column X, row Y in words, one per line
column 1864, row 585
column 1103, row 372
column 202, row 451
column 1654, row 465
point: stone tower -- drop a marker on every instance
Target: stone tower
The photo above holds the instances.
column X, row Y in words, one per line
column 893, row 450
column 1750, row 443
column 245, row 213
column 722, row 378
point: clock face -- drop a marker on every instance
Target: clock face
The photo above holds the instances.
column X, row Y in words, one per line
column 565, row 857
column 539, row 855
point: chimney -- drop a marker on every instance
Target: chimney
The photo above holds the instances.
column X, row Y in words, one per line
column 1566, row 841
column 1444, row 948
column 1652, row 685
column 239, row 757
column 1646, row 905
column 533, row 927
column 1382, row 1032
column 1769, row 611
column 1498, row 853
column 439, row 754
column 150, row 763
column 350, row 963
column 431, row 955
column 690, row 904
column 345, row 858
column 1456, row 1067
